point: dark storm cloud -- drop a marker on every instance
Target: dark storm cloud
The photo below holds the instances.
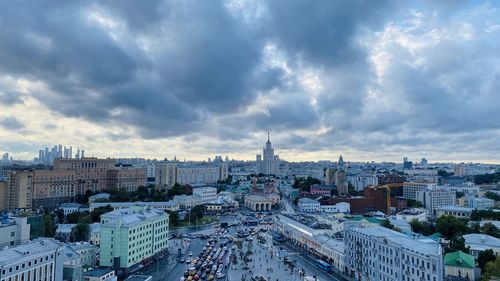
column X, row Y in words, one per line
column 11, row 123
column 195, row 69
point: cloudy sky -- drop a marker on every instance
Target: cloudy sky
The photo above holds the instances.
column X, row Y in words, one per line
column 373, row 80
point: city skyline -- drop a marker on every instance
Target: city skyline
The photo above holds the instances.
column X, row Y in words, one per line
column 415, row 79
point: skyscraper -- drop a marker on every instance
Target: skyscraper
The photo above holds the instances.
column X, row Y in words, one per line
column 268, row 163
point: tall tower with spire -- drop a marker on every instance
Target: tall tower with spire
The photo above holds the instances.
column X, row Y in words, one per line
column 268, row 163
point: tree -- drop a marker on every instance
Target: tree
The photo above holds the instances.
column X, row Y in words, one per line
column 60, row 215
column 80, row 232
column 48, row 225
column 95, row 215
column 449, row 226
column 173, row 218
column 197, row 212
column 485, row 257
column 460, row 194
column 457, row 243
column 490, row 229
column 443, row 173
column 387, row 224
column 425, row 228
column 492, row 269
column 413, row 203
column 492, row 195
column 73, row 217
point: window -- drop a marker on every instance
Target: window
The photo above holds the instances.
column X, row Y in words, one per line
column 12, row 234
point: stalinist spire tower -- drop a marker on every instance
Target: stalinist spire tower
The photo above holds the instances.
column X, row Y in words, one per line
column 268, row 163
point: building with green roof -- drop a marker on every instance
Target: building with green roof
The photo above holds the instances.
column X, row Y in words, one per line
column 460, row 264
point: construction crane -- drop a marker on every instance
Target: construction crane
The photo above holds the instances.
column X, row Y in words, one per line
column 389, row 188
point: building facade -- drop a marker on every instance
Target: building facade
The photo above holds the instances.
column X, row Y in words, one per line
column 20, row 190
column 434, row 198
column 208, row 194
column 130, row 237
column 38, row 260
column 308, row 205
column 377, row 253
column 128, row 178
column 410, row 189
column 14, row 231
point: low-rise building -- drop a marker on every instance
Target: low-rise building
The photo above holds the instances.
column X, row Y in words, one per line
column 99, row 275
column 95, row 233
column 132, row 236
column 480, row 203
column 308, row 205
column 458, row 212
column 69, row 208
column 99, row 197
column 39, row 260
column 171, row 205
column 207, row 194
column 377, row 253
column 13, row 230
column 412, row 214
column 341, row 207
column 461, row 265
column 64, row 230
column 323, row 190
column 258, row 203
column 481, row 242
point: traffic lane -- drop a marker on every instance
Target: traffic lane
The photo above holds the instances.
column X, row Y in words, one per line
column 308, row 265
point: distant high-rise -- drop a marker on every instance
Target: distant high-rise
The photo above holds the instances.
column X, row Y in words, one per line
column 423, row 161
column 407, row 164
column 5, row 157
column 268, row 163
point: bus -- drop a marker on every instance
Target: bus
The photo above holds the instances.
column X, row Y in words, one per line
column 324, row 266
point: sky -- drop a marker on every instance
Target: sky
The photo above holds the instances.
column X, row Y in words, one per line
column 373, row 80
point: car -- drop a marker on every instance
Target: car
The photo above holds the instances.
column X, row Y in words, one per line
column 188, row 260
column 220, row 275
column 182, row 260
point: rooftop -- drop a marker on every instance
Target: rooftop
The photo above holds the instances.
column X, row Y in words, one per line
column 131, row 216
column 483, row 240
column 455, row 209
column 30, row 249
column 425, row 246
column 139, row 278
column 97, row 272
column 459, row 259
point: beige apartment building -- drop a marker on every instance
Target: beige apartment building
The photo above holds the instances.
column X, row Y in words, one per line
column 166, row 175
column 20, row 187
column 126, row 177
column 4, row 197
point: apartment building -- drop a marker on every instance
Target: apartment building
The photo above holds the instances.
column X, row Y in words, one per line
column 128, row 178
column 410, row 189
column 480, row 203
column 20, row 188
column 377, row 253
column 168, row 174
column 132, row 236
column 435, row 197
column 308, row 205
column 38, row 260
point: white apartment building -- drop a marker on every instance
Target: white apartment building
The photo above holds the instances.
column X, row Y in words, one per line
column 13, row 231
column 341, row 207
column 38, row 260
column 187, row 201
column 69, row 208
column 361, row 181
column 168, row 174
column 308, row 205
column 95, row 233
column 433, row 198
column 468, row 189
column 480, row 203
column 207, row 194
column 380, row 254
column 130, row 236
column 410, row 189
